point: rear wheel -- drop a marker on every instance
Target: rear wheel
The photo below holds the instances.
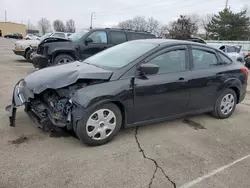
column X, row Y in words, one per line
column 62, row 59
column 225, row 104
column 100, row 126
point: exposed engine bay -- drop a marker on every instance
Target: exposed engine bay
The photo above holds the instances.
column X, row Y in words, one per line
column 54, row 106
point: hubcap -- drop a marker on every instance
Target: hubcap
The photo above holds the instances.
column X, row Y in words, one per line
column 64, row 60
column 101, row 124
column 227, row 104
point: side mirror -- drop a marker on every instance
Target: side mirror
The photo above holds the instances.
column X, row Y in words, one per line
column 148, row 69
column 88, row 40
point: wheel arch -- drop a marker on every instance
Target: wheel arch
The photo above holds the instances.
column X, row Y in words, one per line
column 26, row 50
column 82, row 111
column 233, row 84
column 66, row 52
column 118, row 103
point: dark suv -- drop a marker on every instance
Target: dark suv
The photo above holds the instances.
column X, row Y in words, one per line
column 82, row 45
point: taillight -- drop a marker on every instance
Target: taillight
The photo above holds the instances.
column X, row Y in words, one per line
column 244, row 70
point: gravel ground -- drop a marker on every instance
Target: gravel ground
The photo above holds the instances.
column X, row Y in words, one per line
column 200, row 151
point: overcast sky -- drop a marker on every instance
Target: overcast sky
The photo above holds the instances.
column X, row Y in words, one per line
column 109, row 12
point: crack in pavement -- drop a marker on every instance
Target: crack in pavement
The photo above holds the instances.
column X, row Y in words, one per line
column 153, row 160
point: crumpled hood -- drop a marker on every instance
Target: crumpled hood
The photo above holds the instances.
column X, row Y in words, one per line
column 54, row 39
column 59, row 76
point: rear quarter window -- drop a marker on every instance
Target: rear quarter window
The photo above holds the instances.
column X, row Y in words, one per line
column 224, row 58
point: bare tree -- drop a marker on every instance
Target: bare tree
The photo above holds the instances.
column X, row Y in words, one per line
column 59, row 26
column 153, row 25
column 182, row 28
column 70, row 26
column 141, row 24
column 44, row 25
column 204, row 22
column 137, row 23
column 162, row 31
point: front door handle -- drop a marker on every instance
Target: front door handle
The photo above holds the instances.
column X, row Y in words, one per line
column 220, row 74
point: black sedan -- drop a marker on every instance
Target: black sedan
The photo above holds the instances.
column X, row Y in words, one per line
column 134, row 83
column 14, row 36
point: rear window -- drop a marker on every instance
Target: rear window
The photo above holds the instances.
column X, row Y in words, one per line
column 224, row 58
column 118, row 37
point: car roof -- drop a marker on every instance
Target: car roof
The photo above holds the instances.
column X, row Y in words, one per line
column 170, row 42
column 124, row 30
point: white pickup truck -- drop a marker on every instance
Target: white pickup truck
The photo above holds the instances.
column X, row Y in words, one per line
column 24, row 47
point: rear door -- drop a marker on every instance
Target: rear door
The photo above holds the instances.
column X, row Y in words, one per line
column 208, row 74
column 117, row 37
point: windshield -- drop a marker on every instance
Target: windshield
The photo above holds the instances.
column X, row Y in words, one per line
column 78, row 35
column 45, row 36
column 120, row 55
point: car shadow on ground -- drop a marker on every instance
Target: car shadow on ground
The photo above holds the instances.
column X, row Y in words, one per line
column 22, row 61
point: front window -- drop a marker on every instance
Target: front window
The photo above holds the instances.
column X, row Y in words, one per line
column 99, row 37
column 77, row 36
column 120, row 55
column 172, row 61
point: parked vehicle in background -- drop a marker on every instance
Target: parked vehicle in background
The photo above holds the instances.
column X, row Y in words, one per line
column 25, row 48
column 247, row 60
column 31, row 37
column 194, row 39
column 14, row 36
column 233, row 51
column 82, row 45
column 134, row 83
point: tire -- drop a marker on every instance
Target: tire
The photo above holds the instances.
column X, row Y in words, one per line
column 86, row 131
column 229, row 98
column 63, row 58
column 27, row 55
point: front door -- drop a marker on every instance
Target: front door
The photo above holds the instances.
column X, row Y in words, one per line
column 166, row 93
column 99, row 43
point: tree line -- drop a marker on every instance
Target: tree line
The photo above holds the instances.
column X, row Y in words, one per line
column 225, row 25
column 45, row 26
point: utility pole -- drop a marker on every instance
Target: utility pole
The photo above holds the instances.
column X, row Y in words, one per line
column 226, row 4
column 5, row 15
column 92, row 16
column 28, row 24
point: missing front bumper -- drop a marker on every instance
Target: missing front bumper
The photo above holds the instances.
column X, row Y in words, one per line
column 18, row 99
column 38, row 111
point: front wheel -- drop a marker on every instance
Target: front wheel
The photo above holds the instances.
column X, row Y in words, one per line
column 100, row 126
column 225, row 104
column 28, row 55
column 62, row 59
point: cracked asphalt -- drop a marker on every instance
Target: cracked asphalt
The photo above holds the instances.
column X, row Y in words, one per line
column 169, row 154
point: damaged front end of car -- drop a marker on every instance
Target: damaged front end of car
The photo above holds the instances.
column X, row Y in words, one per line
column 47, row 94
column 51, row 108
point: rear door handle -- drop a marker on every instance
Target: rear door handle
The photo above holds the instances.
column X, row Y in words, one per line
column 181, row 80
column 220, row 74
